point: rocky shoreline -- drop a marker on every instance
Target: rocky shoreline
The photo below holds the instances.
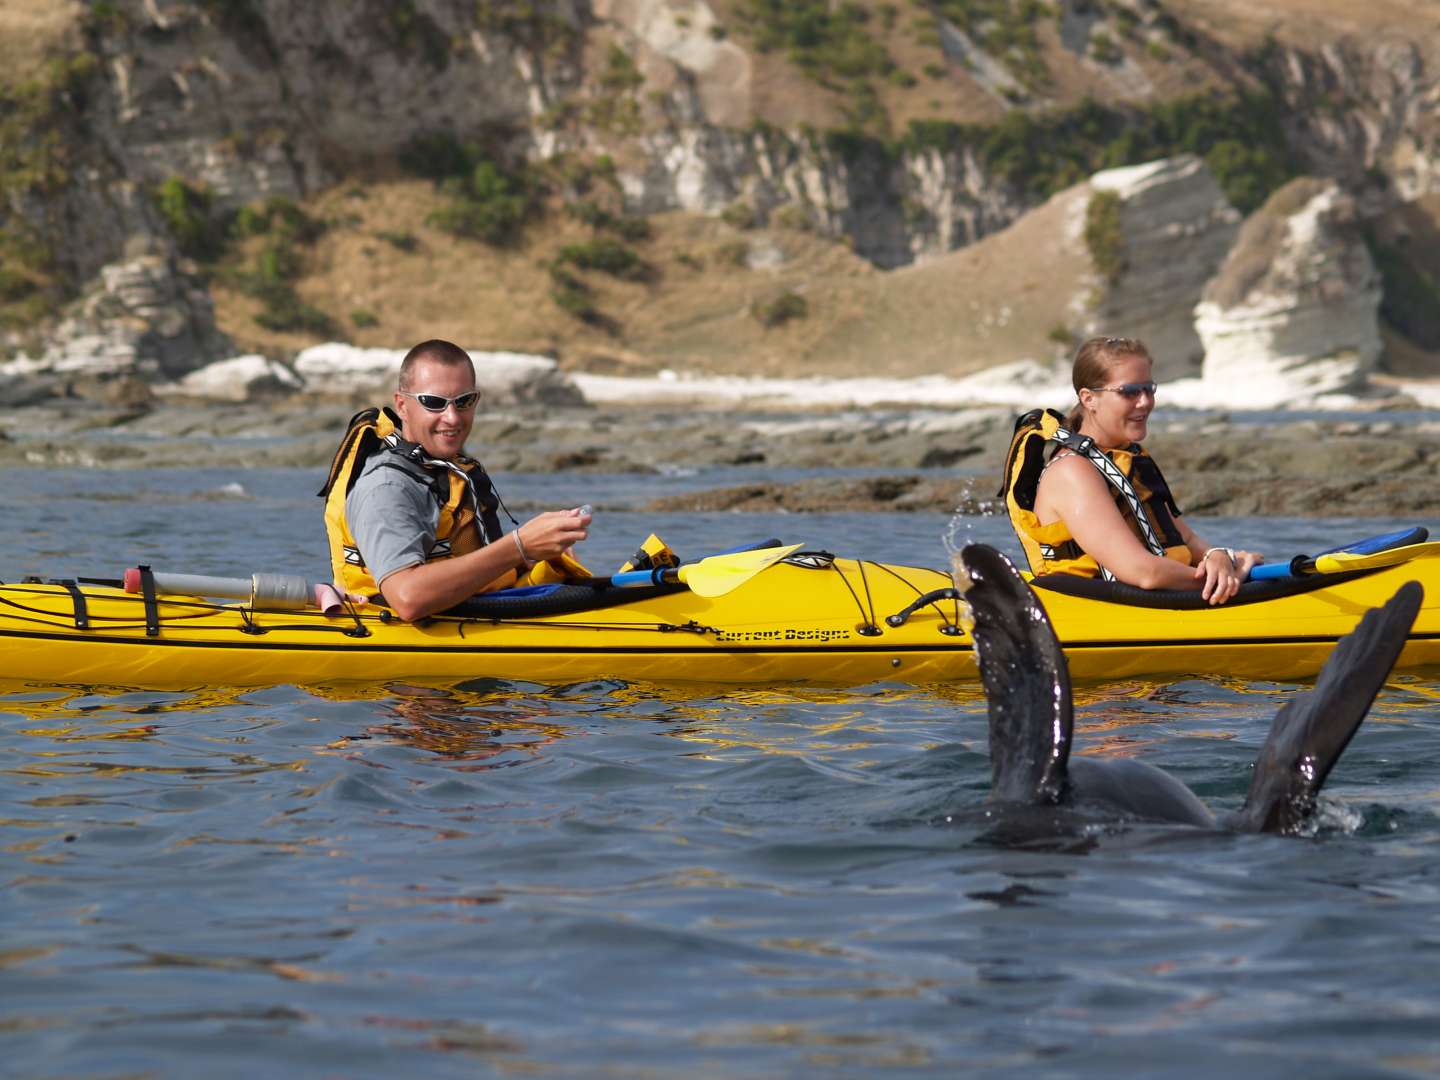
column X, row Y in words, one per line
column 1381, row 465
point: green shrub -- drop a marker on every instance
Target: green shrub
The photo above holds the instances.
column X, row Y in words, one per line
column 488, row 205
column 14, row 286
column 606, row 255
column 363, row 319
column 438, row 155
column 530, row 22
column 1410, row 301
column 1104, row 238
column 793, row 216
column 284, row 312
column 400, row 241
column 780, row 310
column 187, row 212
column 739, row 214
column 1104, row 48
column 735, row 253
column 1240, row 137
column 633, row 229
column 415, row 31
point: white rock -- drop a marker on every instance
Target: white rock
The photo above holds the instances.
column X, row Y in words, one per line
column 1292, row 315
column 1177, row 227
column 503, row 377
column 240, row 378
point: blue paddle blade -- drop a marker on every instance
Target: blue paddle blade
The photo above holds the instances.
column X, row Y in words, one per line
column 1372, row 545
column 1402, row 538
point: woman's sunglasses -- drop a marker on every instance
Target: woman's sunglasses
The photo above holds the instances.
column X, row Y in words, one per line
column 1130, row 390
column 436, row 403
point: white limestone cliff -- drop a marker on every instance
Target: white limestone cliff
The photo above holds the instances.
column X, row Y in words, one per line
column 1292, row 313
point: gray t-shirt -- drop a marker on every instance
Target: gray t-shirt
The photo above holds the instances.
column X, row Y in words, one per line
column 392, row 517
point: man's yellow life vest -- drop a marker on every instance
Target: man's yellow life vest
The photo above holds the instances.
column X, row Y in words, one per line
column 469, row 506
column 1141, row 494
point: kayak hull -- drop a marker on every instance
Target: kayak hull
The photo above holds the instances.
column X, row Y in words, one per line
column 1285, row 638
column 788, row 624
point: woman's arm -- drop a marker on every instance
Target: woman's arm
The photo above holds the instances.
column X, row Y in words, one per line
column 1073, row 491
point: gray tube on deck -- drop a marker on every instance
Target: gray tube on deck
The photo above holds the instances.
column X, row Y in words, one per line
column 283, row 591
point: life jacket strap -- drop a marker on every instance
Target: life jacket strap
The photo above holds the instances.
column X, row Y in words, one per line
column 1086, row 448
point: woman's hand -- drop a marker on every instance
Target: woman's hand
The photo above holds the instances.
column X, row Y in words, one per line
column 1222, row 576
column 1245, row 561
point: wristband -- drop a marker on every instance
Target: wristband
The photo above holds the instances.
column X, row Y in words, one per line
column 524, row 558
column 1229, row 553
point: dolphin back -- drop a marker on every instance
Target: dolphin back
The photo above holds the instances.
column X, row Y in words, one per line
column 1027, row 681
column 1312, row 730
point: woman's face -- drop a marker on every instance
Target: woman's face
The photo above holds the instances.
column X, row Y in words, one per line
column 1114, row 418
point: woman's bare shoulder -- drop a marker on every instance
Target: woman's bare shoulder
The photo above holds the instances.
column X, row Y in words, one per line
column 1069, row 468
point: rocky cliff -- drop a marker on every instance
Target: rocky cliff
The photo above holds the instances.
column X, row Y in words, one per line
column 906, row 136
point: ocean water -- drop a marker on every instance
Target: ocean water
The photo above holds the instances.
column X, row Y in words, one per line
column 607, row 879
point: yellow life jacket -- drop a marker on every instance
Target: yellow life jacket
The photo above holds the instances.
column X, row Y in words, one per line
column 1141, row 494
column 469, row 506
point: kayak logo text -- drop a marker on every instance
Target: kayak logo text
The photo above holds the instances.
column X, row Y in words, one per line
column 786, row 634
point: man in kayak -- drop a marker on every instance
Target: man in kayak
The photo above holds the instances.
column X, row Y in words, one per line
column 409, row 513
column 1100, row 505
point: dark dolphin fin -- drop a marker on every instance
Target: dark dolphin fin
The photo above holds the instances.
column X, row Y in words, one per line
column 1027, row 681
column 1312, row 730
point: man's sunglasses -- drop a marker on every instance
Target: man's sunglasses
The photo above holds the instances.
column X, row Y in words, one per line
column 1130, row 390
column 436, row 403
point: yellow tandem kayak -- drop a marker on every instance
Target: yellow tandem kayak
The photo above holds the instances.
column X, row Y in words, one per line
column 811, row 618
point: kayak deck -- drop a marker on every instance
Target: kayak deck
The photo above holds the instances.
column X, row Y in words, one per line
column 823, row 621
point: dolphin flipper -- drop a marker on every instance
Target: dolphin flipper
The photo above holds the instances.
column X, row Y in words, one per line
column 1312, row 730
column 1027, row 681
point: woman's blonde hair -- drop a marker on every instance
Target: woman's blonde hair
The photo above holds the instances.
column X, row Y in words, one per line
column 1093, row 361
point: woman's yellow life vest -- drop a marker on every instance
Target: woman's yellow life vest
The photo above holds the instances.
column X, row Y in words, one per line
column 469, row 505
column 1141, row 494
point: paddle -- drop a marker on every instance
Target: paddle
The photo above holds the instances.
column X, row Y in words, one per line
column 1340, row 562
column 1302, row 565
column 715, row 576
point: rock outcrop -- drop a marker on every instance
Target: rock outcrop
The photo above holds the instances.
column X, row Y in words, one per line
column 1292, row 313
column 1170, row 230
column 504, row 378
column 146, row 316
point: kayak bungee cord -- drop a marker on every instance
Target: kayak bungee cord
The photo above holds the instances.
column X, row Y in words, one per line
column 692, row 626
column 923, row 598
column 868, row 627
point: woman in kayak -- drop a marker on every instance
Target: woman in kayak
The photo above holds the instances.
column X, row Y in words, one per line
column 1100, row 506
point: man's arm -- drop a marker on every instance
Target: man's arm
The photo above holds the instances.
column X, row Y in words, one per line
column 422, row 589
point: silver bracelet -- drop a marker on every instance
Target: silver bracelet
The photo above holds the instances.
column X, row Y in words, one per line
column 1229, row 552
column 524, row 558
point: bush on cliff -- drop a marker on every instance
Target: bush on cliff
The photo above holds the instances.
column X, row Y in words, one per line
column 486, row 201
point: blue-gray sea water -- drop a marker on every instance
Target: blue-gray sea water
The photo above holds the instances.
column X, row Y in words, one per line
column 609, row 879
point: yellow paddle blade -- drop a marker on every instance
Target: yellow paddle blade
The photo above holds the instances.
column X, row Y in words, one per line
column 718, row 574
column 1340, row 561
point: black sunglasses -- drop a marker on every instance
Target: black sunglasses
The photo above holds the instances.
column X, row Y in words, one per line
column 1129, row 390
column 437, row 403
